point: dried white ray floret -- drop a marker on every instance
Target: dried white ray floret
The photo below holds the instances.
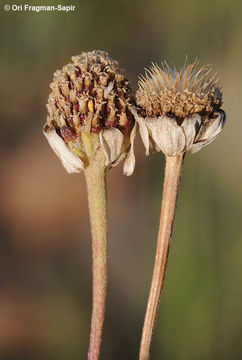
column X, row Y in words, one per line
column 71, row 162
column 111, row 141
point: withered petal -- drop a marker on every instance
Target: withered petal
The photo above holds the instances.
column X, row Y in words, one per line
column 129, row 162
column 111, row 141
column 190, row 126
column 71, row 162
column 210, row 133
column 167, row 135
column 142, row 129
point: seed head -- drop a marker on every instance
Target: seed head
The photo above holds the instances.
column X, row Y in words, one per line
column 179, row 109
column 88, row 110
column 179, row 93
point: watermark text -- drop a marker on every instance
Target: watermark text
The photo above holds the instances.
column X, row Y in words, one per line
column 39, row 8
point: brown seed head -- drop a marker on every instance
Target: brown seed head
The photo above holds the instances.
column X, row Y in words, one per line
column 88, row 113
column 179, row 93
column 89, row 94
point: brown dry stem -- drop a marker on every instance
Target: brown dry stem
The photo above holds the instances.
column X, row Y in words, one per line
column 168, row 207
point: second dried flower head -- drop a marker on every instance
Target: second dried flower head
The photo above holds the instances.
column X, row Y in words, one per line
column 88, row 112
column 179, row 110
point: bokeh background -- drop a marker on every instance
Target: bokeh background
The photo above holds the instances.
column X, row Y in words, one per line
column 45, row 246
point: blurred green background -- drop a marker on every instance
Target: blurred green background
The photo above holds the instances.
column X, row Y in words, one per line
column 45, row 247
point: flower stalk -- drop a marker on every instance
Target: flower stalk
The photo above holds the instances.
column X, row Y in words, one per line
column 96, row 189
column 168, row 207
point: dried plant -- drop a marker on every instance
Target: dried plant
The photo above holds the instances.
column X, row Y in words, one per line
column 92, row 123
column 179, row 111
column 89, row 126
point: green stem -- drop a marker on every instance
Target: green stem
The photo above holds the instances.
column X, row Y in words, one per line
column 96, row 189
column 168, row 207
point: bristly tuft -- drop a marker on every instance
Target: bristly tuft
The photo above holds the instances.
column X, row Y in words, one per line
column 179, row 93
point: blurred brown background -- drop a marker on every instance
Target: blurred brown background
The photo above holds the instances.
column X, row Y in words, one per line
column 45, row 247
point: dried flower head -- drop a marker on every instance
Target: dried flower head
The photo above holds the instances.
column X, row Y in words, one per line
column 179, row 109
column 88, row 112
